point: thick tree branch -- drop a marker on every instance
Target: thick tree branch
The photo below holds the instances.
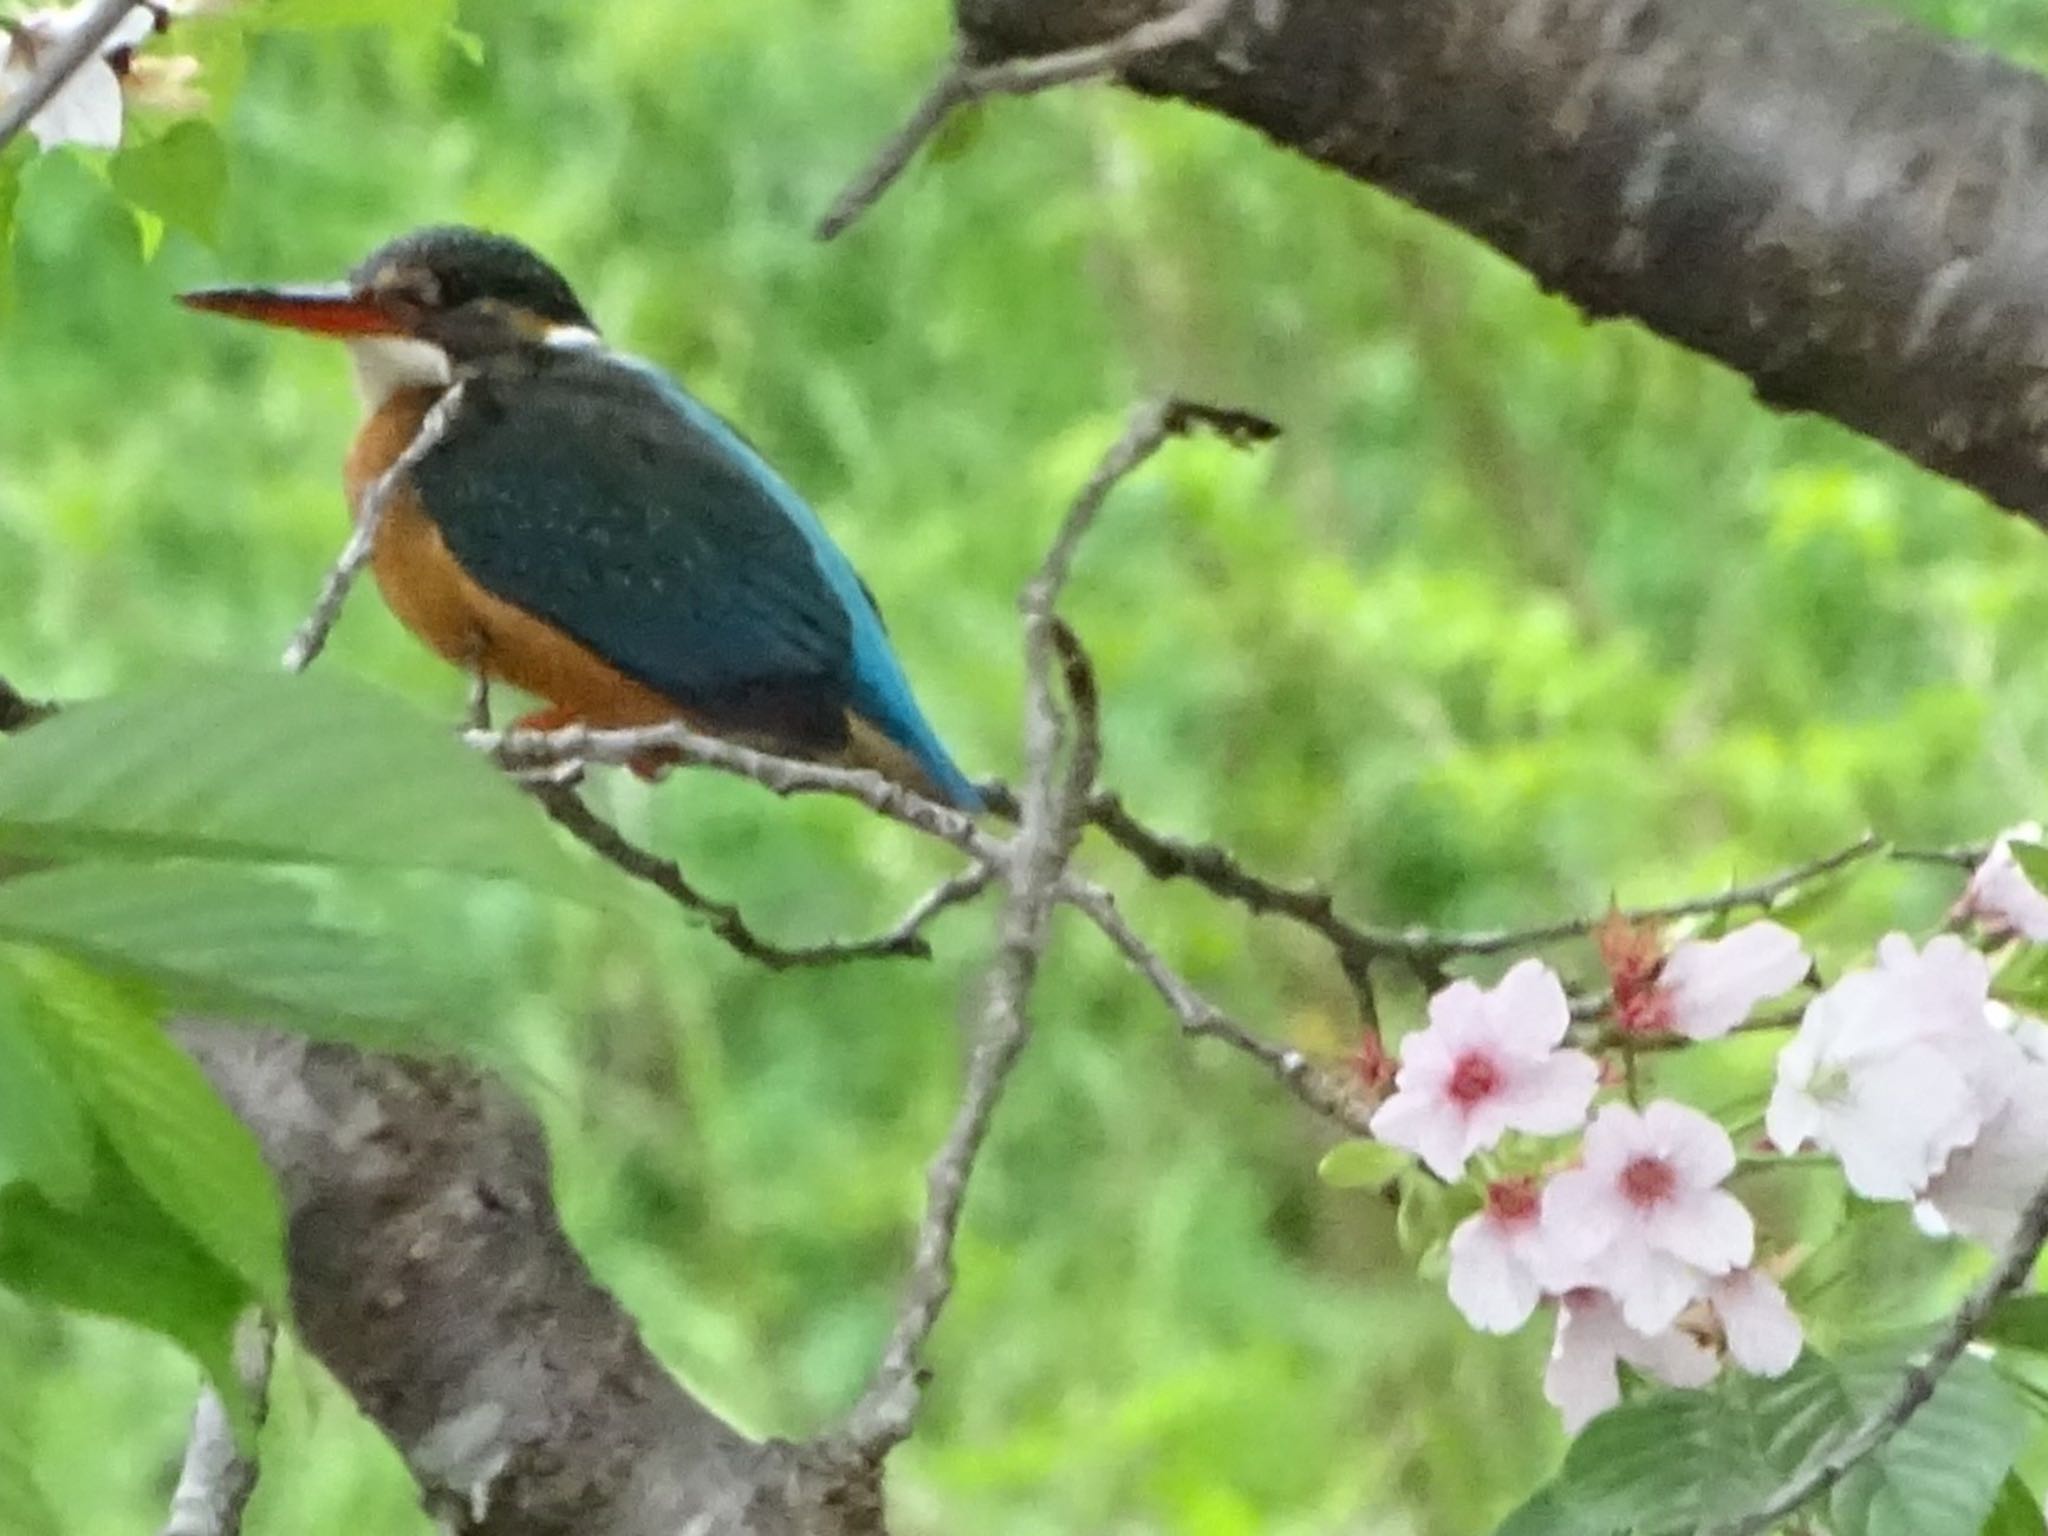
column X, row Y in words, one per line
column 431, row 1276
column 1847, row 209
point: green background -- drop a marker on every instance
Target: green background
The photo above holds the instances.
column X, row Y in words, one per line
column 1523, row 612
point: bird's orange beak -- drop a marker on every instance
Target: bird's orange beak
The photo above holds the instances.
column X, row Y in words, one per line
column 325, row 310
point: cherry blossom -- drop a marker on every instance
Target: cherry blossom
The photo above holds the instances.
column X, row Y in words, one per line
column 1644, row 1217
column 1705, row 987
column 1486, row 1063
column 1764, row 1337
column 1593, row 1334
column 1982, row 1188
column 87, row 108
column 1891, row 1069
column 1999, row 893
column 1498, row 1258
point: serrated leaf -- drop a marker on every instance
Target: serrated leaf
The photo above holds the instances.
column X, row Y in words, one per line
column 244, row 943
column 1363, row 1164
column 1677, row 1462
column 23, row 1509
column 122, row 1256
column 180, row 178
column 310, row 770
column 44, row 1137
column 1944, row 1469
column 159, row 1115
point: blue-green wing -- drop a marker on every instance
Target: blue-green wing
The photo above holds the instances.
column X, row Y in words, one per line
column 593, row 493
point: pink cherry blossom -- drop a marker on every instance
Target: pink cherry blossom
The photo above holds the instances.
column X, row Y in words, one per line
column 1498, row 1258
column 1581, row 1381
column 1764, row 1337
column 1486, row 1063
column 1713, row 984
column 1644, row 1217
column 1999, row 893
column 1891, row 1069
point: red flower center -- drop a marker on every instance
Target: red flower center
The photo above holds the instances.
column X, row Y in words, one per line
column 1512, row 1201
column 1648, row 1181
column 1475, row 1077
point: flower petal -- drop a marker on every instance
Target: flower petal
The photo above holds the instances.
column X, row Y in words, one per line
column 1428, row 1127
column 1709, row 1230
column 1764, row 1336
column 1580, row 1380
column 1529, row 1009
column 1714, row 984
column 1692, row 1143
column 1550, row 1097
column 1489, row 1283
column 1581, row 1214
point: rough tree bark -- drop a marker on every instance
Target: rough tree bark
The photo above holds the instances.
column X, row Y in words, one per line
column 1846, row 208
column 431, row 1276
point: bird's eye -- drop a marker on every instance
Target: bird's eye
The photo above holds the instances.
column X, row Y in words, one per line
column 414, row 286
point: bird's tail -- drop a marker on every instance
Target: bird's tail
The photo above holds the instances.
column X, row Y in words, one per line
column 930, row 773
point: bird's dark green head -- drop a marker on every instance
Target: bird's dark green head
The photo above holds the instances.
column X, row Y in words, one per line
column 464, row 290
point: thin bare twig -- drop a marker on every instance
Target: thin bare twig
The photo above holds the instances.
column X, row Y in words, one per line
column 1218, row 870
column 216, row 1481
column 1035, row 871
column 311, row 636
column 965, row 80
column 55, row 69
column 2015, row 1263
column 904, row 940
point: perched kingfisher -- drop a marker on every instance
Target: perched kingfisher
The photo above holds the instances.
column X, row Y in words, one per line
column 585, row 530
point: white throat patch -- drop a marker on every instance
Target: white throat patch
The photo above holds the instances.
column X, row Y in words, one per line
column 387, row 364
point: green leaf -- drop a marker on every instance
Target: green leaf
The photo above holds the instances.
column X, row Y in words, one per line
column 1675, row 1462
column 44, row 1137
column 242, row 943
column 2018, row 1322
column 195, row 1160
column 1548, row 1512
column 2033, row 862
column 2016, row 1513
column 23, row 1509
column 1423, row 1218
column 122, row 1256
column 1363, row 1164
column 181, row 178
column 310, row 770
column 1944, row 1470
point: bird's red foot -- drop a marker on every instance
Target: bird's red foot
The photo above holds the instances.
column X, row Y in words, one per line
column 553, row 718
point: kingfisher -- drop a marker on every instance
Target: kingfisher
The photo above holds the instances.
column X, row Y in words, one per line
column 584, row 529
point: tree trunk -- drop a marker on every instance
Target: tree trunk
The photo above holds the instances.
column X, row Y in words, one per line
column 1844, row 207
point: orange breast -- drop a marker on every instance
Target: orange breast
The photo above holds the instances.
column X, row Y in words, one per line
column 435, row 599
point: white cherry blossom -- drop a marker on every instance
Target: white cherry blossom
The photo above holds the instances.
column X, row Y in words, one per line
column 1486, row 1063
column 1644, row 1217
column 1999, row 893
column 1581, row 1381
column 1714, row 984
column 1499, row 1258
column 1764, row 1337
column 1890, row 1068
column 1981, row 1190
column 87, row 108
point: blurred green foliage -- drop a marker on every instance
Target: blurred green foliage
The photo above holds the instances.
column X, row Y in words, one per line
column 1522, row 612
